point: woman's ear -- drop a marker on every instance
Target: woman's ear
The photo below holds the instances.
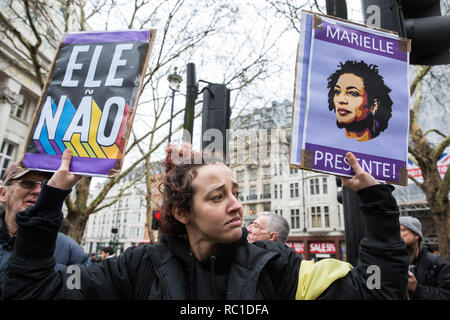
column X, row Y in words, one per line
column 374, row 106
column 181, row 215
column 2, row 194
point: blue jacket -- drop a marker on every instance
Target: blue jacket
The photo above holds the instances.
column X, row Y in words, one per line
column 67, row 251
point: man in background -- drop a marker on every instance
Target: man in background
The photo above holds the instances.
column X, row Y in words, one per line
column 107, row 253
column 19, row 191
column 429, row 274
column 268, row 226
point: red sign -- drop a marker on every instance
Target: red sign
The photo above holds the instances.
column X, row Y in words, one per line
column 299, row 247
column 322, row 247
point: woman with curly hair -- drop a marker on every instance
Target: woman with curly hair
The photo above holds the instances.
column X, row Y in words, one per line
column 204, row 252
column 360, row 99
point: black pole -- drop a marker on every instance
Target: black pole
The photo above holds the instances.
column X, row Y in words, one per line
column 354, row 224
column 216, row 113
column 191, row 95
column 337, row 8
column 171, row 115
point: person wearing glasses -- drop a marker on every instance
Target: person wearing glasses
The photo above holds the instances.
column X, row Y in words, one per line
column 19, row 191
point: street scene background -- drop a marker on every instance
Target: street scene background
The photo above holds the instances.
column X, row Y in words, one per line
column 250, row 46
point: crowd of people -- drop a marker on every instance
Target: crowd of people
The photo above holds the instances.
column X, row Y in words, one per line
column 204, row 252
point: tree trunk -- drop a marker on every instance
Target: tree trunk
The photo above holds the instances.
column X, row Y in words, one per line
column 442, row 225
column 76, row 227
column 77, row 212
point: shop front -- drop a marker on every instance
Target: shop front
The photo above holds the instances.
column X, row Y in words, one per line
column 318, row 247
column 298, row 246
column 319, row 250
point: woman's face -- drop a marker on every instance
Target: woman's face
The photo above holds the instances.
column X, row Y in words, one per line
column 350, row 99
column 216, row 215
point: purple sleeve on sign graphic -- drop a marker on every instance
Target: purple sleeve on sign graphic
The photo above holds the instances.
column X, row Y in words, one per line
column 99, row 37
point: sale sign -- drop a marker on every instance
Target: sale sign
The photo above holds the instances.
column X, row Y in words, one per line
column 322, row 247
column 89, row 102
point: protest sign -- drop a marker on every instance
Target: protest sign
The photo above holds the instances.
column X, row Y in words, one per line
column 351, row 94
column 89, row 102
column 415, row 172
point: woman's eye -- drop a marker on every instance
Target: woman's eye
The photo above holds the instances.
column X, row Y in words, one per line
column 236, row 194
column 217, row 197
column 337, row 92
column 354, row 93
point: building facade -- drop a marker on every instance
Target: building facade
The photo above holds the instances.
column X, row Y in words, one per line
column 19, row 88
column 124, row 223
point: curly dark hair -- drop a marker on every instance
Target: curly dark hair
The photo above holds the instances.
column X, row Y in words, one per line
column 374, row 85
column 176, row 186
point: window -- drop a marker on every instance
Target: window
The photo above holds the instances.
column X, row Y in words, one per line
column 295, row 218
column 266, row 206
column 241, row 156
column 293, row 171
column 275, row 191
column 281, row 169
column 324, row 186
column 6, row 156
column 327, row 217
column 253, row 174
column 294, row 190
column 281, row 191
column 240, row 175
column 19, row 110
column 252, row 195
column 314, row 186
column 266, row 171
column 316, row 220
column 266, row 191
column 252, row 209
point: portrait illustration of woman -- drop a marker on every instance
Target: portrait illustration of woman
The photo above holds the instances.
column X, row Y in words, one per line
column 360, row 100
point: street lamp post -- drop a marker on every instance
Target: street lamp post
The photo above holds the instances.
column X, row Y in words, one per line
column 174, row 85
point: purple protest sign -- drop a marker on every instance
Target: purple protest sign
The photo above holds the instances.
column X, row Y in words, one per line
column 89, row 102
column 360, row 40
column 354, row 97
column 333, row 160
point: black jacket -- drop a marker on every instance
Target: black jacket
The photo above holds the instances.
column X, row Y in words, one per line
column 239, row 271
column 433, row 277
column 67, row 251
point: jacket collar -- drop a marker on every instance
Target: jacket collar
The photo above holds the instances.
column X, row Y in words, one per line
column 179, row 246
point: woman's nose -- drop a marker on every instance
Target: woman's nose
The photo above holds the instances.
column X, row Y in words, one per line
column 342, row 99
column 235, row 204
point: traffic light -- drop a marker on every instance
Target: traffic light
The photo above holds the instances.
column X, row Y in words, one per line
column 418, row 20
column 216, row 114
column 155, row 219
